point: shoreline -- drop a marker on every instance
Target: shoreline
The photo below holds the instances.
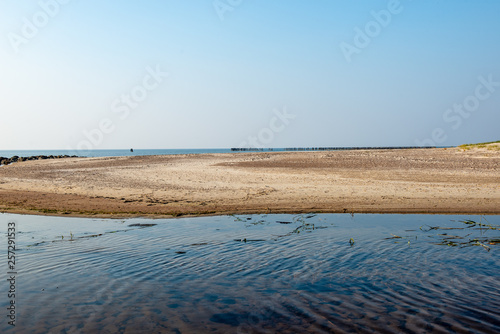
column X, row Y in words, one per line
column 413, row 181
column 153, row 216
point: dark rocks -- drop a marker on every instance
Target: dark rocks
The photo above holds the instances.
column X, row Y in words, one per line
column 15, row 158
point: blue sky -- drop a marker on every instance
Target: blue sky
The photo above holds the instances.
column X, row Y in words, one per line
column 233, row 67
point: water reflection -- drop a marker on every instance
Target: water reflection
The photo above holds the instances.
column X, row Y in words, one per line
column 259, row 273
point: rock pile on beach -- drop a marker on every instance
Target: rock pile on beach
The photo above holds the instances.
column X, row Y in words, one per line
column 7, row 161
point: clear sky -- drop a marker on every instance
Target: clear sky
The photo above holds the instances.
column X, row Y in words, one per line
column 92, row 74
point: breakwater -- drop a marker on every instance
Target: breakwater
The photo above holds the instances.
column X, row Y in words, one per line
column 15, row 158
column 331, row 148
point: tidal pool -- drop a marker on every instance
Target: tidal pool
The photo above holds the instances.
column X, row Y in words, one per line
column 253, row 274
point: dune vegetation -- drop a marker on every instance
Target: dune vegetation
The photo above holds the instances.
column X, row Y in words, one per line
column 492, row 146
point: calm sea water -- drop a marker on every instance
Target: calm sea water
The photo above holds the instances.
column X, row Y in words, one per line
column 255, row 274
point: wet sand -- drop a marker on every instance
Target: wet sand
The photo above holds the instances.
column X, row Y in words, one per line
column 366, row 181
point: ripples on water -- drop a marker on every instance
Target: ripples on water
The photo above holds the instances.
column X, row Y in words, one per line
column 253, row 274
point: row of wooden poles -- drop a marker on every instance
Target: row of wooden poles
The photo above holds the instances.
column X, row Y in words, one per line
column 329, row 148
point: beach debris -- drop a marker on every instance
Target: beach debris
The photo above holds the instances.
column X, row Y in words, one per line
column 468, row 240
column 237, row 219
column 477, row 243
column 303, row 227
column 259, row 222
column 248, row 240
column 141, row 225
column 88, row 235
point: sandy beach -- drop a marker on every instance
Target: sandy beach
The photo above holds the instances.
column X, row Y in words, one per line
column 440, row 180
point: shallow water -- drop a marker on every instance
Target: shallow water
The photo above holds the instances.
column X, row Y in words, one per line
column 254, row 274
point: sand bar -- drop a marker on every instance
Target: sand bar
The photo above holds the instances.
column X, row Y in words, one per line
column 367, row 181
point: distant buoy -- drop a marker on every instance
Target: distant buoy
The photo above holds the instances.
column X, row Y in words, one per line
column 131, row 150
